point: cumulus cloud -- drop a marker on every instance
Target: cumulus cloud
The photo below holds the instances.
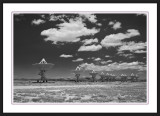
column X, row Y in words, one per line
column 54, row 17
column 132, row 46
column 87, row 16
column 115, row 39
column 78, row 60
column 90, row 48
column 106, row 62
column 97, row 59
column 99, row 24
column 107, row 56
column 90, row 41
column 91, row 66
column 114, row 66
column 109, row 61
column 42, row 16
column 37, row 21
column 91, row 17
column 126, row 55
column 68, row 31
column 140, row 51
column 92, row 58
column 103, row 62
column 115, row 25
column 66, row 56
column 111, row 23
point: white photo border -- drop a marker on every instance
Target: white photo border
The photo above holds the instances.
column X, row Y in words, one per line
column 151, row 9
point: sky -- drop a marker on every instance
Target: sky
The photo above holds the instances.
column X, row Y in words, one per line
column 109, row 43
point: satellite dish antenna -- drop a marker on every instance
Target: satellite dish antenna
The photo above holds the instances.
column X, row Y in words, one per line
column 43, row 61
column 102, row 75
column 43, row 66
column 77, row 72
column 78, row 68
column 93, row 74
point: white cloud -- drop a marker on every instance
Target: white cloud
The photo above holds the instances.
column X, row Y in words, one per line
column 91, row 17
column 90, row 41
column 99, row 24
column 129, row 55
column 140, row 51
column 92, row 58
column 125, row 55
column 90, row 48
column 97, row 59
column 115, row 39
column 132, row 46
column 109, row 61
column 37, row 22
column 78, row 60
column 54, row 17
column 92, row 66
column 111, row 23
column 106, row 62
column 83, row 17
column 107, row 56
column 116, row 25
column 103, row 62
column 114, row 66
column 68, row 31
column 43, row 16
column 66, row 56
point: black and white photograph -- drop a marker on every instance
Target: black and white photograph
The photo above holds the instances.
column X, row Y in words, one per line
column 79, row 57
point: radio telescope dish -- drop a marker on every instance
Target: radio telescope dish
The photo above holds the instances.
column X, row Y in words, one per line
column 43, row 66
column 77, row 70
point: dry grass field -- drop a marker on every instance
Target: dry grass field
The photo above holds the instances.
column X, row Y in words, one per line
column 82, row 92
